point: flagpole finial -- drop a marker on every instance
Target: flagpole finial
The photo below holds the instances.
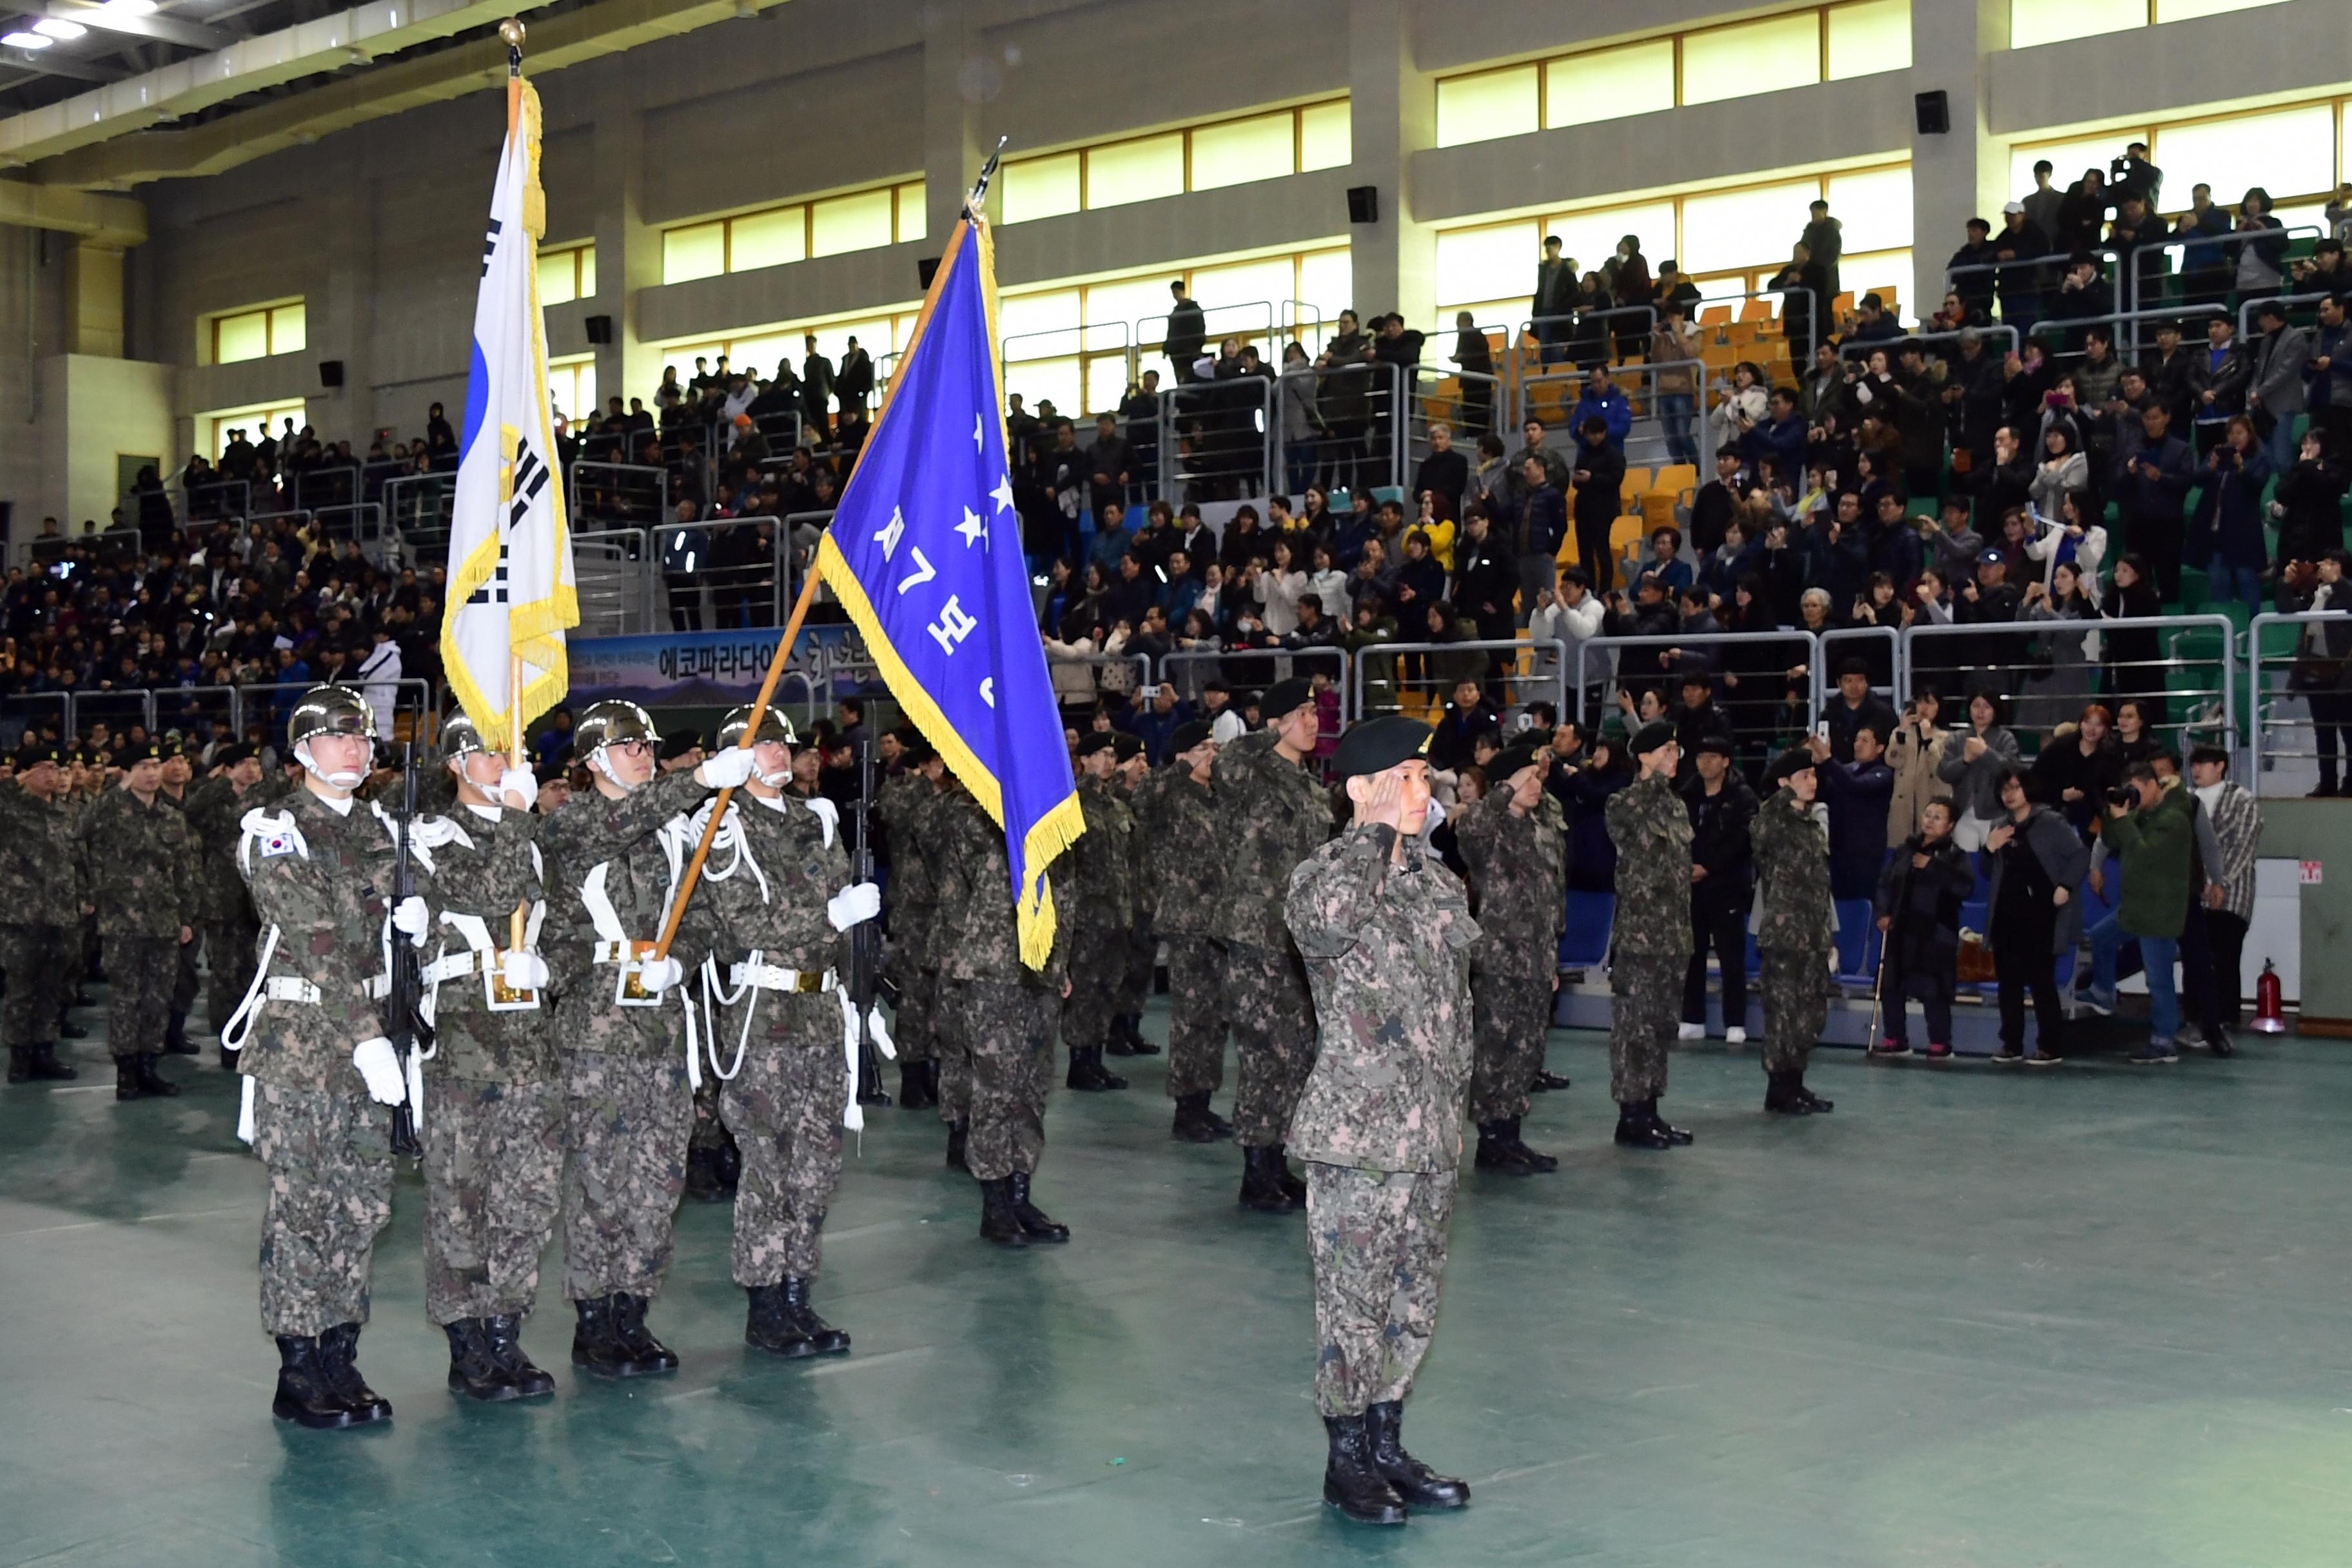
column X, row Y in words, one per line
column 511, row 30
column 972, row 203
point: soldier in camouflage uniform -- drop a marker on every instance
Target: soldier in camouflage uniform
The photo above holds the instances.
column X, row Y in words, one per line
column 41, row 899
column 1265, row 791
column 177, row 773
column 492, row 1120
column 1792, row 930
column 1514, row 839
column 85, row 778
column 1651, row 940
column 1175, row 810
column 1002, row 1013
column 1387, row 935
column 223, row 910
column 137, row 858
column 319, row 1073
column 785, row 903
column 1095, row 895
column 907, row 807
column 613, row 857
column 1142, row 938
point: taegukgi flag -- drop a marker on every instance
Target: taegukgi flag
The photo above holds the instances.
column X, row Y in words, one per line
column 511, row 588
column 925, row 553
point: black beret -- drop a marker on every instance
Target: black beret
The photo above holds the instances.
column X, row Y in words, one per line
column 915, row 745
column 1657, row 733
column 678, row 742
column 1127, row 745
column 140, row 752
column 1512, row 761
column 33, row 754
column 1282, row 697
column 1714, row 740
column 1381, row 744
column 1188, row 736
column 1099, row 741
column 1795, row 760
column 230, row 755
column 171, row 746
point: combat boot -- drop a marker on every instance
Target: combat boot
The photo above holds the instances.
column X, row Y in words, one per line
column 45, row 1065
column 20, row 1063
column 340, row 1347
column 1293, row 1187
column 1496, row 1154
column 1191, row 1123
column 1782, row 1097
column 1087, row 1073
column 646, row 1354
column 1132, row 1023
column 1217, row 1125
column 771, row 1327
column 1420, row 1486
column 1351, row 1482
column 1122, row 1039
column 1036, row 1223
column 915, row 1091
column 1262, row 1189
column 998, row 1222
column 1637, row 1128
column 1546, row 1082
column 959, row 1135
column 306, row 1393
column 1677, row 1136
column 702, row 1175
column 823, row 1337
column 502, row 1332
column 150, row 1080
column 126, row 1078
column 1539, row 1164
column 474, row 1371
column 175, row 1037
column 1813, row 1103
column 594, row 1344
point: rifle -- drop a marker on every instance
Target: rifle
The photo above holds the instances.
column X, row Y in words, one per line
column 865, row 938
column 405, row 1020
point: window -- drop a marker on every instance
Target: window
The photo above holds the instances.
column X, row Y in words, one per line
column 762, row 348
column 2034, row 22
column 1741, row 228
column 567, row 274
column 1751, row 58
column 1487, row 263
column 1610, row 84
column 572, row 386
column 256, row 420
column 1874, row 209
column 2299, row 153
column 1491, row 104
column 1870, row 38
column 778, row 236
column 1202, row 157
column 258, row 332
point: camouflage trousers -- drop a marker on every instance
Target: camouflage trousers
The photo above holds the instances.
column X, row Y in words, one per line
column 139, row 973
column 184, row 983
column 229, row 967
column 329, row 1156
column 1511, row 1012
column 1274, row 1040
column 1378, row 1242
column 1196, row 1017
column 34, row 960
column 626, row 1120
column 1142, row 958
column 1098, row 970
column 1796, row 985
column 785, row 1107
column 708, row 1133
column 493, row 1176
column 1008, row 1040
column 1645, row 1000
column 948, row 1049
column 914, row 1029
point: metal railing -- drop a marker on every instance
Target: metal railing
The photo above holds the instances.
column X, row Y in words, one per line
column 613, row 572
column 2270, row 714
column 1251, row 320
column 1895, row 345
column 1609, row 329
column 2123, row 327
column 1093, row 340
column 1650, row 440
column 1832, row 647
column 270, row 703
column 418, row 509
column 2043, row 273
column 334, row 485
column 2206, row 705
column 1217, row 439
column 362, row 522
column 222, row 498
column 1417, row 678
column 2216, row 280
column 1468, row 402
column 736, row 588
column 1105, row 674
column 1191, row 671
column 20, row 711
column 189, row 707
column 625, row 495
column 114, row 707
column 2246, row 308
column 1737, row 662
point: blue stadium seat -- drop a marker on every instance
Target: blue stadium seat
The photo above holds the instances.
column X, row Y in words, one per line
column 1585, row 943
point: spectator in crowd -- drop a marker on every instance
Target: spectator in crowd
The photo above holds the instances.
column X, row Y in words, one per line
column 1853, row 708
column 1744, row 406
column 2218, row 379
column 1858, row 794
column 1917, row 904
column 2152, row 482
column 1599, row 478
column 1805, row 293
column 2262, row 255
column 1443, row 475
column 2037, row 863
column 2231, row 517
column 1975, row 287
column 1468, row 718
column 1186, row 333
column 1603, row 399
column 1985, row 756
column 1558, row 298
column 2322, row 670
column 2018, row 251
column 1721, row 806
column 2152, row 837
column 2329, row 394
column 2077, row 767
column 1673, row 348
column 1110, row 466
column 2274, row 391
column 1630, row 287
column 2229, row 893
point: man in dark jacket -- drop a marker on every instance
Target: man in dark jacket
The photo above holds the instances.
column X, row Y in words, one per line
column 2018, row 286
column 2037, row 863
column 1721, row 807
column 1860, row 794
column 1599, row 476
column 2151, row 488
column 853, row 383
column 1187, row 332
column 816, row 390
column 1486, row 579
column 1853, row 708
column 1918, row 915
column 1975, row 288
column 2218, row 379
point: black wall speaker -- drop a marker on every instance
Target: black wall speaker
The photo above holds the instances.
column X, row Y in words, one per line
column 1363, row 203
column 1934, row 110
column 925, row 268
column 600, row 329
column 331, row 372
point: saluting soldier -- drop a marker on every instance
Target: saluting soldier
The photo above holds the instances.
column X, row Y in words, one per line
column 614, row 857
column 1387, row 935
column 906, row 806
column 85, row 778
column 1651, row 940
column 784, row 1051
column 321, row 1072
column 1003, row 1015
column 1096, row 894
column 1793, row 930
column 1266, row 790
column 1126, row 1039
column 40, row 910
column 136, row 856
column 215, row 808
column 1514, row 839
column 177, row 773
column 1176, row 811
column 492, row 1120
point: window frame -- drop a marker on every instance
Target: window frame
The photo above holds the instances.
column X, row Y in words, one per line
column 1297, row 112
column 896, row 192
column 268, row 311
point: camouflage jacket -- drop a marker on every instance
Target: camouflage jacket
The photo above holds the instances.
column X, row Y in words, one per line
column 905, row 806
column 473, row 867
column 40, row 862
column 642, row 842
column 319, row 881
column 1282, row 815
column 1650, row 827
column 1519, row 868
column 1792, row 875
column 139, row 866
column 1096, row 885
column 976, row 881
column 215, row 811
column 778, row 914
column 1185, row 869
column 1387, row 949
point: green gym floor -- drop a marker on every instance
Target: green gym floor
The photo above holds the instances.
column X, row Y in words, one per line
column 1976, row 1317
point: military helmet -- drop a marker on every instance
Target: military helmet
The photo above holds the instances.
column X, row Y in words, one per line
column 330, row 711
column 773, row 726
column 459, row 738
column 613, row 723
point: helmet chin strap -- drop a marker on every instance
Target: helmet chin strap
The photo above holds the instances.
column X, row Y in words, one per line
column 346, row 779
column 596, row 760
column 776, row 780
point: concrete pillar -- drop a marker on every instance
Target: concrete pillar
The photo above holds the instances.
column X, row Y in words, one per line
column 94, row 299
column 340, row 321
column 628, row 249
column 958, row 81
column 1963, row 172
column 1392, row 113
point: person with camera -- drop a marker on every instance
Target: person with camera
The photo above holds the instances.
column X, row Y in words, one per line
column 2037, row 862
column 2322, row 670
column 2150, row 833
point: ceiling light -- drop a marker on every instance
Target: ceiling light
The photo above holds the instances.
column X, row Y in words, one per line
column 131, row 7
column 57, row 27
column 24, row 41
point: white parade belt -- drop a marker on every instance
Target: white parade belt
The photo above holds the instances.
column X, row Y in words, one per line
column 282, row 988
column 774, row 977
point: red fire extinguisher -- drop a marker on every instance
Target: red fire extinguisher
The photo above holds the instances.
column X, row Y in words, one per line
column 2267, row 1014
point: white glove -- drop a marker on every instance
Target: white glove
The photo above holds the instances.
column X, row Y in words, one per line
column 379, row 1065
column 522, row 970
column 726, row 769
column 244, row 1128
column 854, row 905
column 1436, row 817
column 660, row 973
column 826, row 813
column 876, row 1027
column 410, row 918
column 519, row 782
